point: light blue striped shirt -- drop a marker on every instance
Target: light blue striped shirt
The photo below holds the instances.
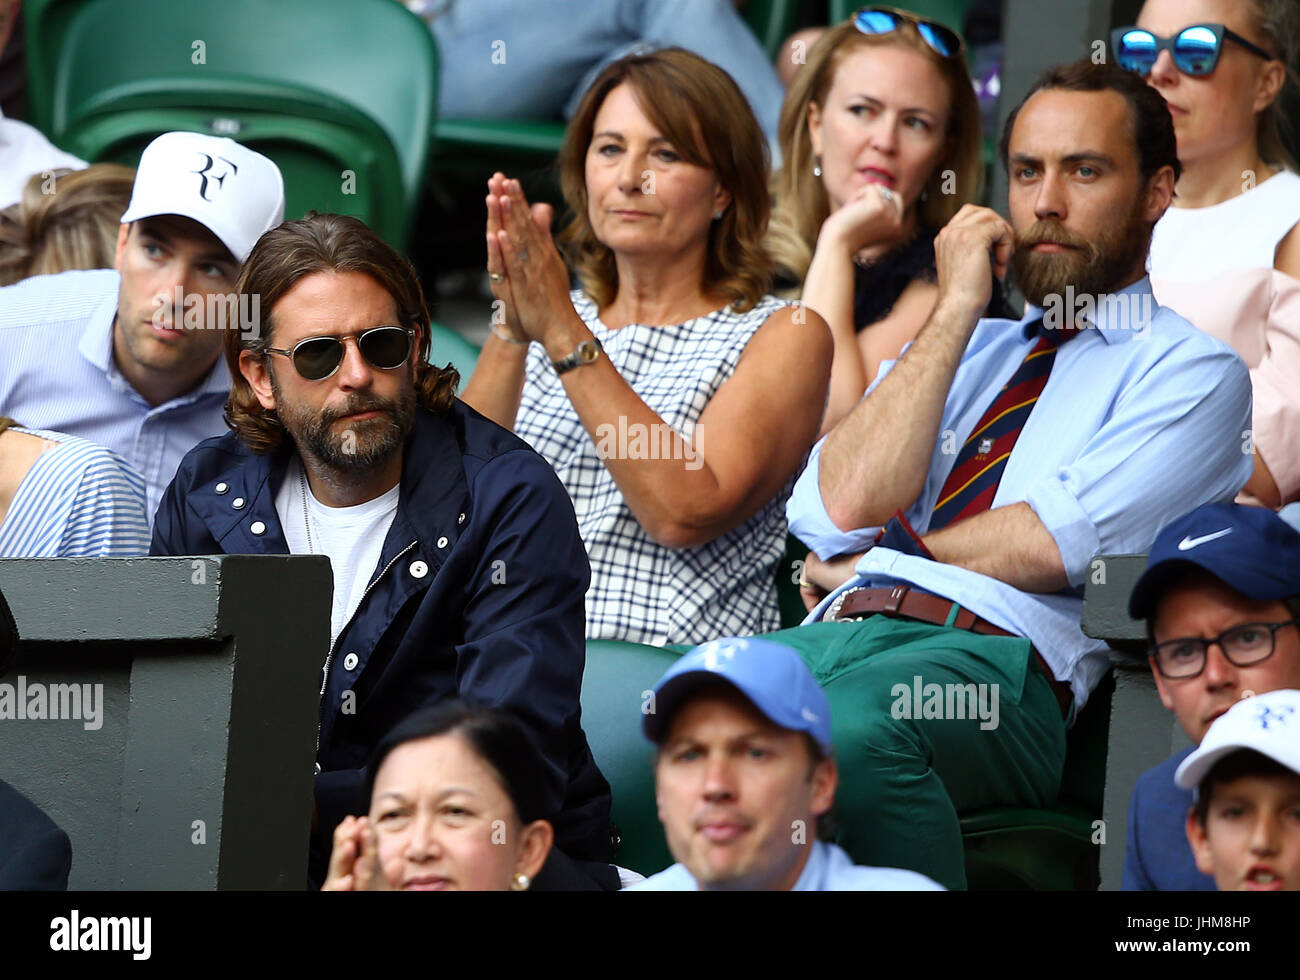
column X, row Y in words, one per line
column 1143, row 418
column 57, row 372
column 78, row 500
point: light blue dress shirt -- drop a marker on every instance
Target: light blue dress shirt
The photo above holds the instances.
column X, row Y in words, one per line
column 1144, row 417
column 57, row 372
column 828, row 869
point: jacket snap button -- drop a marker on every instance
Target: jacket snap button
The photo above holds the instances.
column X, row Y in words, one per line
column 350, row 662
column 222, row 488
column 419, row 569
column 258, row 527
column 442, row 542
column 237, row 503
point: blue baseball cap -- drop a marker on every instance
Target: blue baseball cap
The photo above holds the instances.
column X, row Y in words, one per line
column 1250, row 549
column 771, row 675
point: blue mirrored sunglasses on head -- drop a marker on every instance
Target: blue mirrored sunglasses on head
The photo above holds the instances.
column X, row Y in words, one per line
column 1195, row 49
column 886, row 20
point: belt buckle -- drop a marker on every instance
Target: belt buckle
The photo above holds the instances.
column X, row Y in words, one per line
column 833, row 613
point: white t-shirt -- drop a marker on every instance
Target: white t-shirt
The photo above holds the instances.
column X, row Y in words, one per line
column 351, row 537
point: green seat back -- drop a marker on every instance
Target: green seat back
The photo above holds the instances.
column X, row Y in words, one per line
column 449, row 345
column 787, row 582
column 273, row 75
column 615, row 686
column 771, row 21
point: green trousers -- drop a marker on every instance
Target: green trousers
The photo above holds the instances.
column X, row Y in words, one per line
column 930, row 722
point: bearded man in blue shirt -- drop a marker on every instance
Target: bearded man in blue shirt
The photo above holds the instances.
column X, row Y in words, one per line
column 955, row 515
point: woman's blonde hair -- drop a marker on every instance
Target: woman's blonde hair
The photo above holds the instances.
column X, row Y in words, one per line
column 801, row 201
column 1278, row 21
column 66, row 219
column 704, row 115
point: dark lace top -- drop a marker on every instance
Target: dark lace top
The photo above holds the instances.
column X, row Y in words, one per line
column 877, row 285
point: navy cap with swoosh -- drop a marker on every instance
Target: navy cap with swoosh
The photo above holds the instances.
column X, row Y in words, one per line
column 1250, row 549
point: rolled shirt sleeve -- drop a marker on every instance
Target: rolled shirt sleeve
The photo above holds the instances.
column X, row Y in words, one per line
column 1276, row 384
column 1187, row 419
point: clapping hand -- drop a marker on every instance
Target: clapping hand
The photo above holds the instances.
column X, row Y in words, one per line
column 354, row 861
column 526, row 269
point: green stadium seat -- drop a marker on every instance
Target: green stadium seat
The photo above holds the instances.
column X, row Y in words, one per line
column 348, row 124
column 536, row 142
column 615, row 685
column 449, row 345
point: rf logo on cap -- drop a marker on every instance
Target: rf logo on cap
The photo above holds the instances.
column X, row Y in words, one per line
column 203, row 173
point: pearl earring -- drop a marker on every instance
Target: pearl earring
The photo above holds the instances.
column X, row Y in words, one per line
column 521, row 882
column 717, row 214
column 817, row 166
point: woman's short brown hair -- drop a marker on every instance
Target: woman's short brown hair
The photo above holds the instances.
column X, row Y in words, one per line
column 704, row 115
column 65, row 219
column 291, row 252
column 802, row 204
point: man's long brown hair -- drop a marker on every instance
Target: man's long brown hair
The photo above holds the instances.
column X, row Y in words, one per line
column 289, row 253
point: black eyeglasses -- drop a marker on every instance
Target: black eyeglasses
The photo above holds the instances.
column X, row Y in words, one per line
column 1244, row 646
column 886, row 20
column 1195, row 49
column 317, row 358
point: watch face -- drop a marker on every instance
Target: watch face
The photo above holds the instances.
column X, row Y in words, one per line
column 588, row 351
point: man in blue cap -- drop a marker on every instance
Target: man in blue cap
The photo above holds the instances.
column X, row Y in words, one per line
column 745, row 776
column 1221, row 597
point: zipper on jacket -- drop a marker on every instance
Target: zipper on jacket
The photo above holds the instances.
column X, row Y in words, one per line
column 329, row 657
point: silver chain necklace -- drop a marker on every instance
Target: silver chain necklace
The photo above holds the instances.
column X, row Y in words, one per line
column 306, row 514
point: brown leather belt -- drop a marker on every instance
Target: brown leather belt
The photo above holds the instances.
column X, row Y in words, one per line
column 909, row 603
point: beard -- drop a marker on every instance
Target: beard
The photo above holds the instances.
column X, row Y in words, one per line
column 1091, row 267
column 364, row 444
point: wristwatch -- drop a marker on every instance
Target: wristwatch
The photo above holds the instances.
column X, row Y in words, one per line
column 584, row 353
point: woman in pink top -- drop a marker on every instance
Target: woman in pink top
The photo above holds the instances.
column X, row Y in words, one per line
column 1227, row 255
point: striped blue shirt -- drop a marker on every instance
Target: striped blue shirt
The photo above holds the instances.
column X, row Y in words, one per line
column 1143, row 418
column 57, row 372
column 78, row 500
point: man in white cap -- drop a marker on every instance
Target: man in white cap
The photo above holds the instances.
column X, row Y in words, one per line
column 745, row 776
column 1244, row 827
column 130, row 357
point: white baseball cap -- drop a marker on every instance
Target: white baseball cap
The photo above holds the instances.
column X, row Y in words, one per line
column 1268, row 723
column 234, row 192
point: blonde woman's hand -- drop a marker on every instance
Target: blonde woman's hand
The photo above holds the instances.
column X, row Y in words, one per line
column 872, row 216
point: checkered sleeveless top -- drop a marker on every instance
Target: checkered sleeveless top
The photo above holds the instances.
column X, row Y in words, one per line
column 640, row 590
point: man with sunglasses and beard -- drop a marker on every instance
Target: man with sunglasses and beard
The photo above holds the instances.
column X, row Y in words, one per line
column 957, row 512
column 458, row 567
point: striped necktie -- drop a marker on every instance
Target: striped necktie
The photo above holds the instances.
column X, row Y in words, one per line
column 971, row 485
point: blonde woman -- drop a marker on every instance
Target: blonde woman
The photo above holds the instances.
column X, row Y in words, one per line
column 880, row 134
column 1226, row 255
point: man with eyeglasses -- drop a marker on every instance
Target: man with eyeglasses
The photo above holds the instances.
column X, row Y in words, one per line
column 1221, row 597
column 129, row 357
column 458, row 567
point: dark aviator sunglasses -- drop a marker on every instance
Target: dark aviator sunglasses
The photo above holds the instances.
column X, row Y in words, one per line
column 317, row 358
column 1195, row 49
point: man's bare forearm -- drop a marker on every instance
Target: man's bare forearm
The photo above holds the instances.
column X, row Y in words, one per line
column 1008, row 543
column 876, row 460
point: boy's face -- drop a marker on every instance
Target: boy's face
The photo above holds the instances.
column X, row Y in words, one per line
column 1251, row 837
